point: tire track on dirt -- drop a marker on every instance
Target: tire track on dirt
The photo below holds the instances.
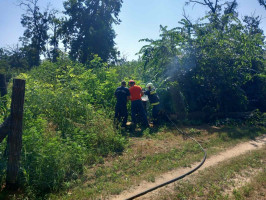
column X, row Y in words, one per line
column 242, row 148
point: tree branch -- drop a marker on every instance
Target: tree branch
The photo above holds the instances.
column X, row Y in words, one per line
column 206, row 3
column 231, row 7
column 193, row 1
column 216, row 4
column 187, row 18
column 263, row 3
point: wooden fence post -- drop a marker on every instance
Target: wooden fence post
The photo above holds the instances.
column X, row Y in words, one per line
column 15, row 134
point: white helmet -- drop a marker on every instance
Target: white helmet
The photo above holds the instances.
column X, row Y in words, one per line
column 150, row 85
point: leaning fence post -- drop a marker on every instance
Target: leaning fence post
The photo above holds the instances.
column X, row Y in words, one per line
column 15, row 134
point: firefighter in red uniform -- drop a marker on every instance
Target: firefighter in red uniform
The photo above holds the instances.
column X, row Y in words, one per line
column 136, row 104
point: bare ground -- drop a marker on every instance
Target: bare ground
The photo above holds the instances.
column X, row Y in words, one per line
column 214, row 160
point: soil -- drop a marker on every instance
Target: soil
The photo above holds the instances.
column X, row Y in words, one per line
column 214, row 160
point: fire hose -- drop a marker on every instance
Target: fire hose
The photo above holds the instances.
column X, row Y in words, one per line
column 179, row 177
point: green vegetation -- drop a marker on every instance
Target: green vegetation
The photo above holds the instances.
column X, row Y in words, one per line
column 88, row 28
column 68, row 132
column 210, row 66
column 212, row 71
column 67, row 123
column 144, row 159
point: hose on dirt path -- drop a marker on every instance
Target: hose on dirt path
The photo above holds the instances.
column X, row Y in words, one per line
column 179, row 177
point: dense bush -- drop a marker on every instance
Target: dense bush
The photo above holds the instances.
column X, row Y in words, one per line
column 67, row 122
column 218, row 65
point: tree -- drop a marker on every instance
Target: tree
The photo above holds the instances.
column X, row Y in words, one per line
column 210, row 62
column 252, row 25
column 213, row 6
column 263, row 3
column 88, row 28
column 13, row 59
column 36, row 33
column 4, row 65
column 215, row 10
column 54, row 37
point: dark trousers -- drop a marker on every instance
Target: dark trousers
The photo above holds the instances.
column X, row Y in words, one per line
column 121, row 114
column 155, row 113
column 138, row 109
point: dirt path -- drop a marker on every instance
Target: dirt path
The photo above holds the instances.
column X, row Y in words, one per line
column 230, row 153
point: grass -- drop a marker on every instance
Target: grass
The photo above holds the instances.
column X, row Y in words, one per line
column 215, row 182
column 256, row 189
column 151, row 153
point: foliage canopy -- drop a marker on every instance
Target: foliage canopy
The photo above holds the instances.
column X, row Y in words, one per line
column 88, row 28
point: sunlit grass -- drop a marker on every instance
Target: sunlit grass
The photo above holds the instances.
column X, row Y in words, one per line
column 145, row 158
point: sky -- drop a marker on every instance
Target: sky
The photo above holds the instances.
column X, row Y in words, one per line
column 140, row 19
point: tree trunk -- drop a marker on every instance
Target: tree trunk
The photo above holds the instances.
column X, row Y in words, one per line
column 15, row 134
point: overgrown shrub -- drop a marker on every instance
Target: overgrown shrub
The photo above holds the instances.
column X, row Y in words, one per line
column 67, row 123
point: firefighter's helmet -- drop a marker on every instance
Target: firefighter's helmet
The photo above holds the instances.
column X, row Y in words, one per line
column 150, row 85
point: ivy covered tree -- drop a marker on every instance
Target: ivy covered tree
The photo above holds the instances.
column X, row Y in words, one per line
column 88, row 28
